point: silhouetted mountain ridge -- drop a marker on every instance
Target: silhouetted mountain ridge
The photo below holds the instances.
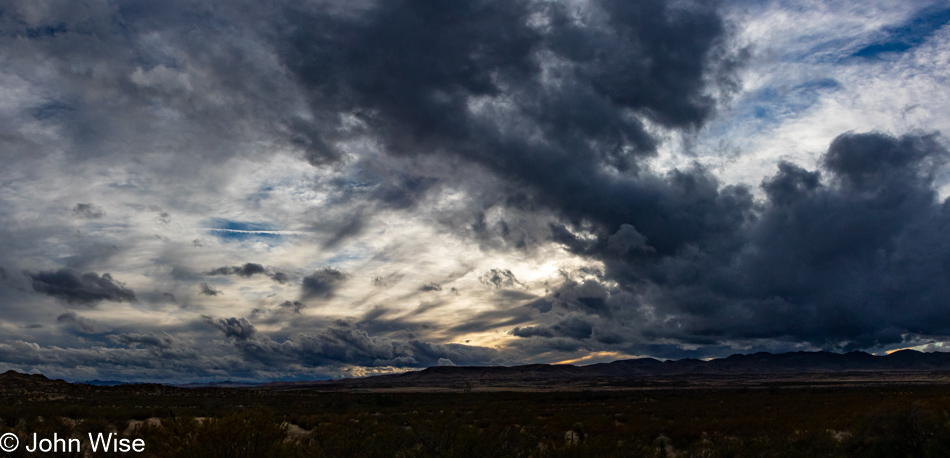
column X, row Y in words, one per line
column 781, row 363
column 756, row 364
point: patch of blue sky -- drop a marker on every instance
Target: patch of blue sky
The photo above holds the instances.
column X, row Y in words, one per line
column 908, row 35
column 354, row 182
column 342, row 258
column 831, row 51
column 821, row 48
column 231, row 230
column 772, row 105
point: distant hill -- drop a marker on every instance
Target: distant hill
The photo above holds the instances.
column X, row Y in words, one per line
column 15, row 381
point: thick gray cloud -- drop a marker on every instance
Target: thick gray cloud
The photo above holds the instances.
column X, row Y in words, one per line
column 561, row 99
column 345, row 345
column 88, row 211
column 81, row 324
column 208, row 290
column 848, row 257
column 323, row 283
column 250, row 269
column 499, row 278
column 82, row 289
column 650, row 57
column 239, row 329
column 430, row 287
column 295, row 306
column 163, row 341
column 245, row 271
column 151, row 60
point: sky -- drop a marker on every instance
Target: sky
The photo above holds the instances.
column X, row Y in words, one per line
column 193, row 190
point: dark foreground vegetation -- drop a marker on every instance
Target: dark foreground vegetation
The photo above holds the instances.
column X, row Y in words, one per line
column 893, row 421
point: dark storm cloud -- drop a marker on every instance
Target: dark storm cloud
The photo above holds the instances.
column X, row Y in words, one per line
column 323, row 283
column 850, row 256
column 550, row 102
column 83, row 289
column 857, row 257
column 417, row 63
column 250, row 269
column 346, row 345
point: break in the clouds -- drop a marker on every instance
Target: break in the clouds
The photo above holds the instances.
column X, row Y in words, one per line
column 197, row 191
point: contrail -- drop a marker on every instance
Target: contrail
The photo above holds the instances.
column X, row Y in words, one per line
column 211, row 229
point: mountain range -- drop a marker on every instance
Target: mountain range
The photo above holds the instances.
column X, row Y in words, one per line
column 783, row 366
